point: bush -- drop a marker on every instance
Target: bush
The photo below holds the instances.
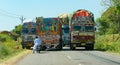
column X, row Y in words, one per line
column 2, row 39
column 4, row 51
column 8, row 47
column 108, row 43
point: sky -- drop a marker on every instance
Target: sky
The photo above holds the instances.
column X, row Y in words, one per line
column 12, row 10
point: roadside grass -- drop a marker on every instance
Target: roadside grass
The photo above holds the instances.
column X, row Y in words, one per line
column 8, row 47
column 14, row 58
column 110, row 43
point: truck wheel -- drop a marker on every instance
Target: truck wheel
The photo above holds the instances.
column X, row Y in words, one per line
column 71, row 47
column 27, row 47
column 59, row 47
column 23, row 47
column 43, row 48
column 74, row 48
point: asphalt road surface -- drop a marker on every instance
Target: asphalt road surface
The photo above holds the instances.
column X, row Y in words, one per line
column 68, row 57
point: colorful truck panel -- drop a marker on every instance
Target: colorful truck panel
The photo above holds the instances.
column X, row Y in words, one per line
column 49, row 30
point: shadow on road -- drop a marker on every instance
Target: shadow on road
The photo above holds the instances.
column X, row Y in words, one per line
column 68, row 49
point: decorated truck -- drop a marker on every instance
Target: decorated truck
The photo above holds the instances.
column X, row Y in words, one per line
column 64, row 19
column 49, row 31
column 82, row 33
column 28, row 34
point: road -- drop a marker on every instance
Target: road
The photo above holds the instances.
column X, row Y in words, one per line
column 68, row 57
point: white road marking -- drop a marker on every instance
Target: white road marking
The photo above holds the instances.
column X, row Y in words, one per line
column 80, row 64
column 69, row 57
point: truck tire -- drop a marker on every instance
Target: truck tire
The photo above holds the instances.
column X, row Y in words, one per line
column 28, row 47
column 23, row 47
column 59, row 47
column 71, row 46
column 74, row 48
column 43, row 48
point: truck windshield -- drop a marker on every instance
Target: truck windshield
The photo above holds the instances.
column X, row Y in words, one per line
column 76, row 28
column 66, row 31
column 30, row 31
column 33, row 30
column 89, row 28
column 24, row 30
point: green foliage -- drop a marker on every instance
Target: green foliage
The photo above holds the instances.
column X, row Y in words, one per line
column 108, row 43
column 17, row 29
column 109, row 20
column 117, row 5
column 102, row 26
column 8, row 46
column 4, row 37
column 4, row 51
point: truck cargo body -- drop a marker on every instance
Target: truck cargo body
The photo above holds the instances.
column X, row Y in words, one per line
column 82, row 33
column 28, row 34
column 49, row 31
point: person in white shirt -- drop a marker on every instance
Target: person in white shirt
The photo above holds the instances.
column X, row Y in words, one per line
column 37, row 42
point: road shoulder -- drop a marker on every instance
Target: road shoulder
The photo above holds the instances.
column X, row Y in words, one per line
column 16, row 58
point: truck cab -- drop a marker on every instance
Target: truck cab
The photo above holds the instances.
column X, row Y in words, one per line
column 65, row 35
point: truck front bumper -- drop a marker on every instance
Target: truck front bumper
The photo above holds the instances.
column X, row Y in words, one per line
column 82, row 44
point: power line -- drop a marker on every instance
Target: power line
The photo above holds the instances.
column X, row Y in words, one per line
column 9, row 13
column 12, row 15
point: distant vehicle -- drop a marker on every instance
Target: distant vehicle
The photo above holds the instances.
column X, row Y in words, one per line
column 49, row 30
column 28, row 34
column 82, row 33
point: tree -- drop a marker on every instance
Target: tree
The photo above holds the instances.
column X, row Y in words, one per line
column 107, row 3
column 110, row 17
column 102, row 26
column 117, row 7
column 17, row 29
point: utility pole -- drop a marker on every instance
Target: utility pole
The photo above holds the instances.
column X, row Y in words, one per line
column 22, row 19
